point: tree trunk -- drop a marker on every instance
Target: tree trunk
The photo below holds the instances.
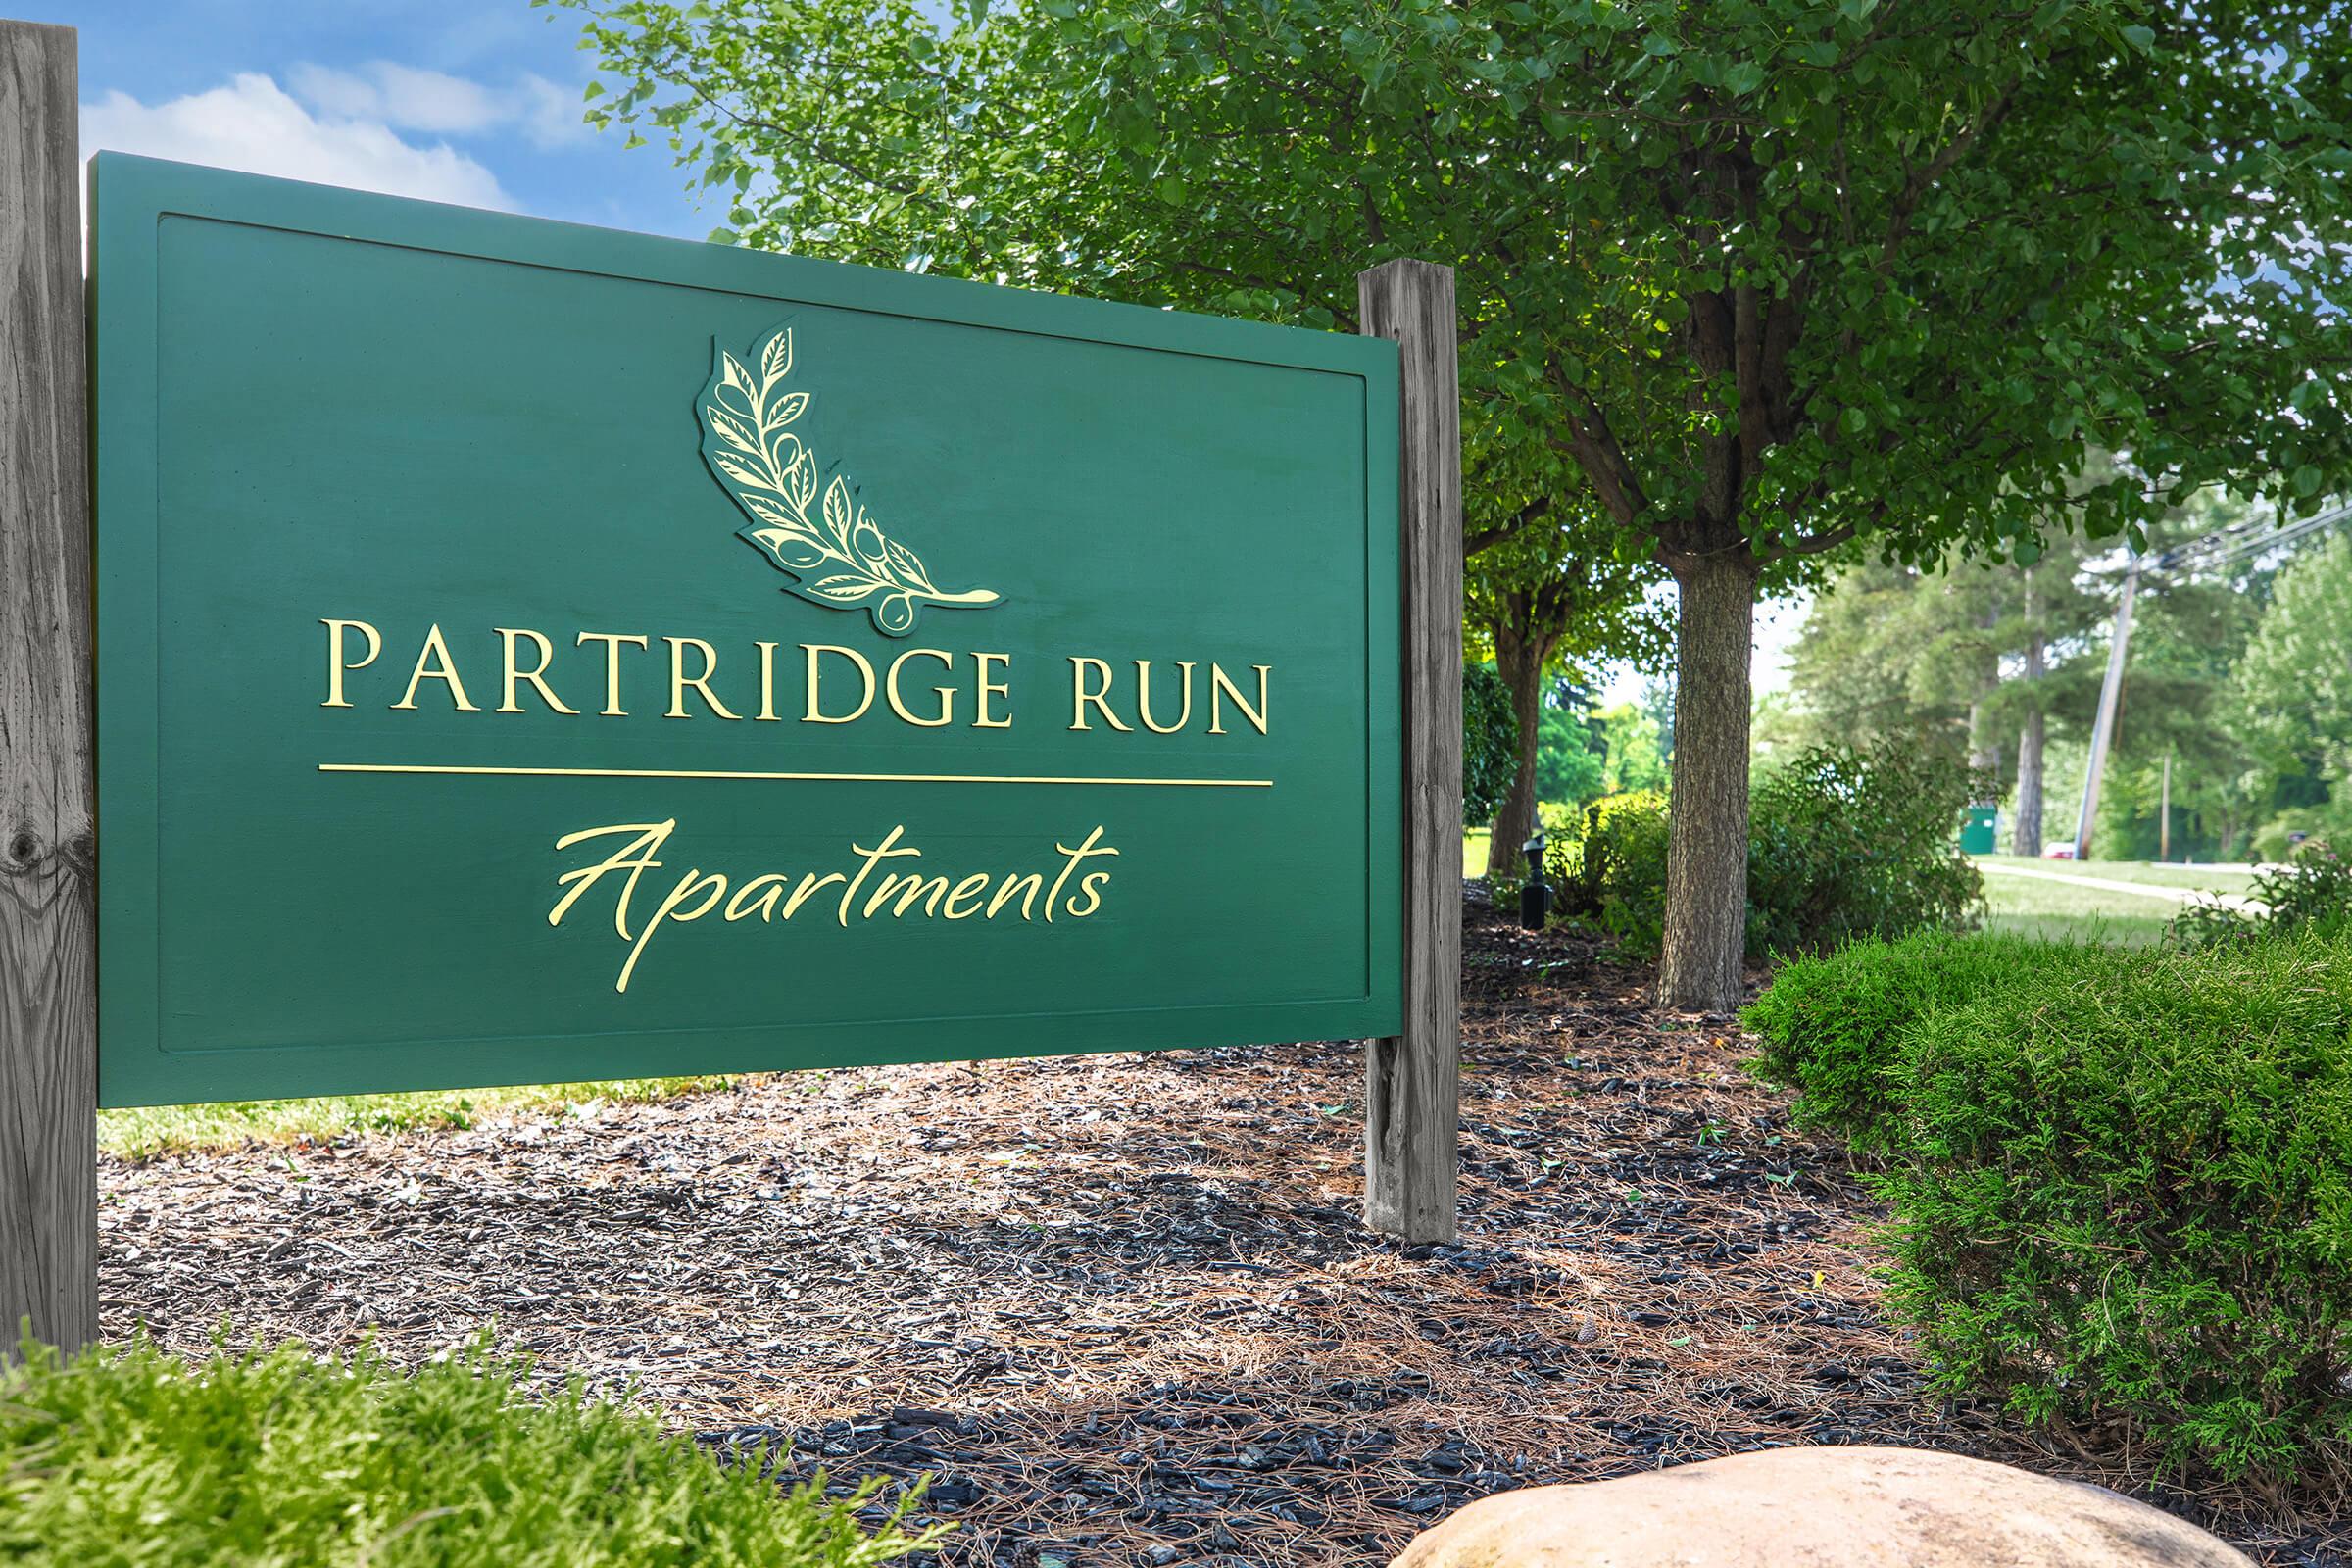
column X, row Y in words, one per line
column 2025, row 838
column 1520, row 661
column 1983, row 752
column 1706, row 865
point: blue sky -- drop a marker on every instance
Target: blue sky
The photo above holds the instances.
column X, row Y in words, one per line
column 471, row 101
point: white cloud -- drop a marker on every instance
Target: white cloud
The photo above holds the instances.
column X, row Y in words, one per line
column 551, row 115
column 434, row 102
column 253, row 124
column 402, row 97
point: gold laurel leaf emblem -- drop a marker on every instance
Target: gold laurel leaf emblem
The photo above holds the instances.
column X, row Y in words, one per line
column 831, row 549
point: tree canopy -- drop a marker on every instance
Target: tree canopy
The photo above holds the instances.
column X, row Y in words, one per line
column 1774, row 275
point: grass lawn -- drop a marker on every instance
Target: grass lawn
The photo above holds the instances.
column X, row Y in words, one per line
column 2060, row 912
column 2033, row 907
column 1474, row 852
column 148, row 1130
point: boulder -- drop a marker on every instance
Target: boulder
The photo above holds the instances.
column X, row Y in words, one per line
column 1834, row 1507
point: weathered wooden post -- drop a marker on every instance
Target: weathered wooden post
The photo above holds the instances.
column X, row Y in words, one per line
column 48, row 905
column 1411, row 1084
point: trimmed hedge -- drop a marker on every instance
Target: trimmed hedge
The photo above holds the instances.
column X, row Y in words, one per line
column 136, row 1457
column 2120, row 1179
column 1832, row 1027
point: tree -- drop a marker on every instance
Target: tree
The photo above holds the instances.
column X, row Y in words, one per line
column 2177, row 709
column 1541, row 587
column 2293, row 689
column 2025, row 831
column 1571, row 759
column 2191, row 624
column 1776, row 275
column 1852, row 662
column 1539, row 598
column 1636, row 758
column 1892, row 651
column 1960, row 656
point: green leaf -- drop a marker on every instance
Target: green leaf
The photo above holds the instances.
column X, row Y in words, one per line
column 1743, row 79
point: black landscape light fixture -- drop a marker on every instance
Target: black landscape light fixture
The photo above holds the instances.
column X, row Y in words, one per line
column 1535, row 897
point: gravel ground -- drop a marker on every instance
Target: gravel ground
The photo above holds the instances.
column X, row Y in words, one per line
column 1119, row 1307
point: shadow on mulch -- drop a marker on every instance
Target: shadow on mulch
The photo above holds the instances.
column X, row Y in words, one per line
column 1120, row 1307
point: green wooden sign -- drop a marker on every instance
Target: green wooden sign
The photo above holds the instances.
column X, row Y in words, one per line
column 534, row 653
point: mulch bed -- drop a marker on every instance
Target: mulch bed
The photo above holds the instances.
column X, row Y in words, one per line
column 1120, row 1307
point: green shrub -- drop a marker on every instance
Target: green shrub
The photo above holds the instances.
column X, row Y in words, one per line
column 2312, row 891
column 2277, row 839
column 2124, row 1190
column 1614, row 869
column 1832, row 1027
column 1845, row 843
column 135, row 1457
column 1841, row 844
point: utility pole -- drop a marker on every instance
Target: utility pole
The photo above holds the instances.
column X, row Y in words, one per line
column 2102, row 732
column 2164, row 813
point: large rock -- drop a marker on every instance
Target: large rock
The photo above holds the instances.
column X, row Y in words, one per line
column 1820, row 1508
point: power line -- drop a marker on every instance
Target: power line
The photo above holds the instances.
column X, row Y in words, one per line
column 2252, row 538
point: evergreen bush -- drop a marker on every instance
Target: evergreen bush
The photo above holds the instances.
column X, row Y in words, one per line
column 1832, row 1027
column 2120, row 1179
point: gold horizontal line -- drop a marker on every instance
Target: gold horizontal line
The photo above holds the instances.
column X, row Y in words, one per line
column 829, row 778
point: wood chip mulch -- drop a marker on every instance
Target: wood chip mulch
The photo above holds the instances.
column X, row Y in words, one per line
column 1120, row 1308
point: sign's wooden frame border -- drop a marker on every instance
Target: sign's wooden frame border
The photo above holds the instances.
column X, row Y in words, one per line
column 48, row 866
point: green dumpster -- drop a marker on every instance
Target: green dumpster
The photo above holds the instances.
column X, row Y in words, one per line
column 1977, row 831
